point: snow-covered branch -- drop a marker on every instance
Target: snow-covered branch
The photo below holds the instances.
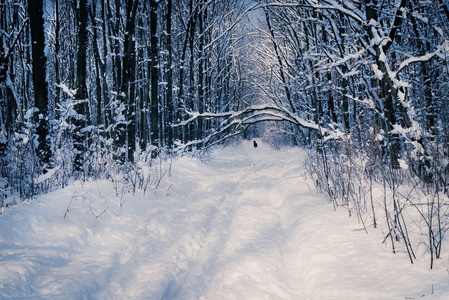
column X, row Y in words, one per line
column 422, row 58
column 236, row 122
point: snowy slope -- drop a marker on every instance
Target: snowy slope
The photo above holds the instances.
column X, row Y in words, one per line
column 243, row 224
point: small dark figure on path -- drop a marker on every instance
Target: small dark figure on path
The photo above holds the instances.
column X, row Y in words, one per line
column 255, row 144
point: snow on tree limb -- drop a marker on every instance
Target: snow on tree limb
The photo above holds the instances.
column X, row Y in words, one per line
column 71, row 93
column 422, row 58
column 236, row 122
column 351, row 11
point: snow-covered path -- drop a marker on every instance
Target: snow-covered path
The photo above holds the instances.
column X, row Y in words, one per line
column 245, row 224
column 243, row 240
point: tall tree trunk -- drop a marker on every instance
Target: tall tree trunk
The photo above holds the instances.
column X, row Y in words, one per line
column 154, row 105
column 188, row 41
column 129, row 77
column 99, row 68
column 170, row 100
column 107, row 114
column 79, row 121
column 35, row 10
column 57, row 51
column 201, row 75
column 388, row 91
column 424, row 46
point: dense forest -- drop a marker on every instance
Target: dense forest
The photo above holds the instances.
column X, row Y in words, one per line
column 87, row 87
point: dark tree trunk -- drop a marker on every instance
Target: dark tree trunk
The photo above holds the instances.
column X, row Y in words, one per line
column 35, row 9
column 129, row 76
column 201, row 75
column 99, row 68
column 181, row 101
column 170, row 100
column 107, row 114
column 57, row 51
column 154, row 105
column 79, row 121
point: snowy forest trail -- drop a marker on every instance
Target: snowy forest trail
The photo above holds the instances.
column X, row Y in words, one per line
column 242, row 223
column 241, row 227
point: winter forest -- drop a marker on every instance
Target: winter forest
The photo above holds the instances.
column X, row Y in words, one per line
column 109, row 89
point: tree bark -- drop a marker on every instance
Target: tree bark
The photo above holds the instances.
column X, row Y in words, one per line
column 388, row 91
column 81, row 96
column 154, row 105
column 39, row 63
column 129, row 77
column 170, row 100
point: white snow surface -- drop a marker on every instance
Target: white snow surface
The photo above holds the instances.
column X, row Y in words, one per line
column 243, row 224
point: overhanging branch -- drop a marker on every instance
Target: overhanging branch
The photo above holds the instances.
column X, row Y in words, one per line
column 236, row 122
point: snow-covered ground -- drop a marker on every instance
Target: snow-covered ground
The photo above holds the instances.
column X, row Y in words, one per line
column 243, row 224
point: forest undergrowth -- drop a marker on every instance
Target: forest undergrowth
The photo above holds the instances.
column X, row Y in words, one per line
column 413, row 215
column 21, row 182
